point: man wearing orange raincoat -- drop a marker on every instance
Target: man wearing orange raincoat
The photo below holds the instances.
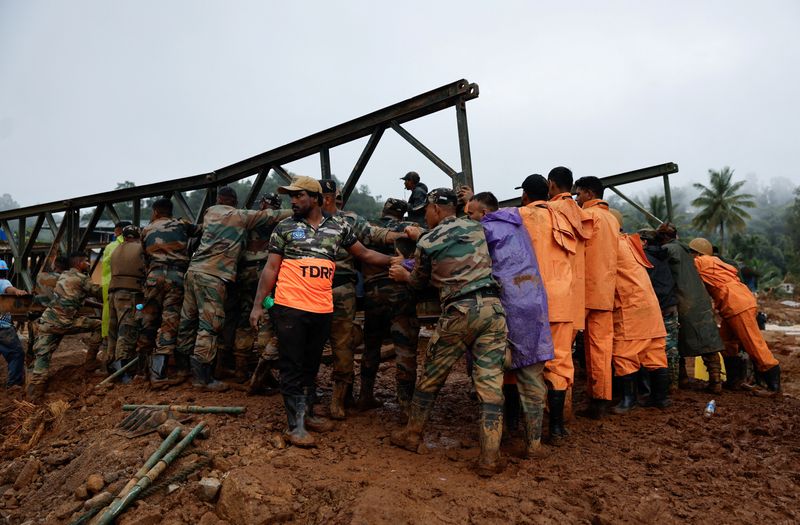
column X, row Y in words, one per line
column 640, row 338
column 736, row 305
column 555, row 244
column 601, row 277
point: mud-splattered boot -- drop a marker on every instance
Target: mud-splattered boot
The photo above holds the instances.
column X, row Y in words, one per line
column 734, row 376
column 555, row 405
column 511, row 408
column 410, row 437
column 714, row 372
column 182, row 366
column 35, row 392
column 532, row 421
column 366, row 394
column 629, row 401
column 337, row 400
column 491, row 432
column 683, row 375
column 202, row 378
column 315, row 423
column 405, row 391
column 297, row 434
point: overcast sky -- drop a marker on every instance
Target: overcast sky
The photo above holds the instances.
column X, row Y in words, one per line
column 97, row 92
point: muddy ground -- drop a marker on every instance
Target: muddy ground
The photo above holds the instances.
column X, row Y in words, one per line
column 652, row 466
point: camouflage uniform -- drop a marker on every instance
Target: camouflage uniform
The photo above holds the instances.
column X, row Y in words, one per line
column 44, row 291
column 213, row 264
column 390, row 306
column 344, row 301
column 454, row 258
column 61, row 318
column 124, row 293
column 165, row 242
column 252, row 261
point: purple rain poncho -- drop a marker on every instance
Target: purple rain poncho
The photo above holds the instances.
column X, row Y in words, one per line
column 522, row 292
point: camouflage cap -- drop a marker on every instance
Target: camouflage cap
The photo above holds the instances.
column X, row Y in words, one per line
column 444, row 196
column 301, row 183
column 130, row 232
column 328, row 185
column 395, row 205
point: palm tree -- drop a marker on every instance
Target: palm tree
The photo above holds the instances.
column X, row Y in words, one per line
column 720, row 205
column 657, row 205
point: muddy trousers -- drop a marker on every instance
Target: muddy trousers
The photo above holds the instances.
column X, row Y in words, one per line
column 123, row 326
column 341, row 332
column 743, row 328
column 301, row 337
column 598, row 345
column 532, row 393
column 559, row 371
column 161, row 311
column 202, row 316
column 388, row 309
column 50, row 336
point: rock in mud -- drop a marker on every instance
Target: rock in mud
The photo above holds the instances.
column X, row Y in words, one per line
column 256, row 500
column 208, row 489
column 95, row 483
column 27, row 474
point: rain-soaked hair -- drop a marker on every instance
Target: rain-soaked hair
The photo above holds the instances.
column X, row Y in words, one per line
column 488, row 199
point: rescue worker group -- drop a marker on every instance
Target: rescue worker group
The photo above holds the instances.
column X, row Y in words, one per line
column 516, row 286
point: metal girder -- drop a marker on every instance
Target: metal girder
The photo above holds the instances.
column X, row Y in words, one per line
column 16, row 252
column 98, row 212
column 68, row 235
column 410, row 109
column 37, row 227
column 361, row 163
column 422, row 148
column 635, row 205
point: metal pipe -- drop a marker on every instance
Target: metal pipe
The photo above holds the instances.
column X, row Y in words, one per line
column 121, row 371
column 151, row 476
column 635, row 205
column 190, row 409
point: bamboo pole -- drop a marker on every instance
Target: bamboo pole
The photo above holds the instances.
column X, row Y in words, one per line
column 110, row 515
column 150, row 463
column 120, row 371
column 191, row 409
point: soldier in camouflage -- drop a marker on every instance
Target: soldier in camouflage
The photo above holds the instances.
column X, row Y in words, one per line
column 252, row 261
column 165, row 241
column 124, row 293
column 212, row 266
column 61, row 318
column 344, row 297
column 390, row 307
column 44, row 291
column 453, row 257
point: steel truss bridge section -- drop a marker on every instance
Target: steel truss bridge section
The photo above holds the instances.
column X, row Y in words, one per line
column 27, row 256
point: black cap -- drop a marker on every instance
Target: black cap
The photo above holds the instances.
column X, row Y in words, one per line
column 534, row 185
column 328, row 185
column 272, row 199
column 411, row 175
column 440, row 196
column 395, row 205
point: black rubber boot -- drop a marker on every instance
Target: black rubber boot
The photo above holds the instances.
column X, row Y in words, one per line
column 659, row 381
column 511, row 407
column 643, row 386
column 410, row 437
column 117, row 365
column 315, row 423
column 491, row 432
column 772, row 378
column 629, row 402
column 734, row 373
column 202, row 378
column 158, row 370
column 555, row 404
column 297, row 434
column 263, row 381
column 182, row 365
